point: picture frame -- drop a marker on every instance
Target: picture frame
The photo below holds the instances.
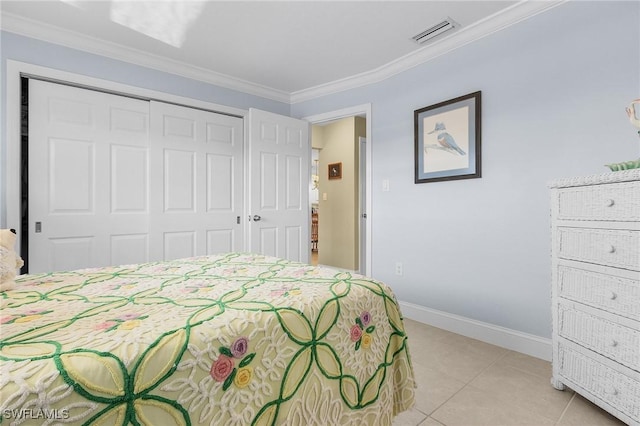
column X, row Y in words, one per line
column 448, row 140
column 335, row 171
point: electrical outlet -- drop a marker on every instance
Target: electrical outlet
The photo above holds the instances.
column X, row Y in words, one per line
column 398, row 268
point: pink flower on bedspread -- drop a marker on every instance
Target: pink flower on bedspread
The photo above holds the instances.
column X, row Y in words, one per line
column 222, row 368
column 356, row 333
column 239, row 347
column 106, row 325
column 361, row 331
column 5, row 319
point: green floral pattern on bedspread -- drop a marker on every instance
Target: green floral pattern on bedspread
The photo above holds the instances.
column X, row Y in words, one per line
column 234, row 339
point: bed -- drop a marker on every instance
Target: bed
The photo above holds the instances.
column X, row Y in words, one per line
column 232, row 339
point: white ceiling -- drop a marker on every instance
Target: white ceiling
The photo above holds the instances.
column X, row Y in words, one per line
column 284, row 50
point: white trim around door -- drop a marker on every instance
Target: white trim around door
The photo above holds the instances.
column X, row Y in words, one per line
column 359, row 110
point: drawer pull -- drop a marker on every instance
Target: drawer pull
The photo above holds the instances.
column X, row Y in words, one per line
column 613, row 343
column 610, row 248
column 612, row 295
column 609, row 202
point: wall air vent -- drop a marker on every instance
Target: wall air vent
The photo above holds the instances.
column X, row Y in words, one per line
column 433, row 32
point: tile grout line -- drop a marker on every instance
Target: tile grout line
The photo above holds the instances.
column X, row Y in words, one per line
column 506, row 351
column 536, row 371
column 565, row 409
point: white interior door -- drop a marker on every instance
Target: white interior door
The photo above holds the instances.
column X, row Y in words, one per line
column 278, row 176
column 196, row 182
column 88, row 178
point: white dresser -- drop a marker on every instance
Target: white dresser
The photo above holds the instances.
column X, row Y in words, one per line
column 595, row 231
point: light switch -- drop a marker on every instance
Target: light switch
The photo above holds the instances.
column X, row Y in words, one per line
column 385, row 185
column 324, row 196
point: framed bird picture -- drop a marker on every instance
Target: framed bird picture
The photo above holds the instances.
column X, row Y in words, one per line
column 448, row 139
column 335, row 171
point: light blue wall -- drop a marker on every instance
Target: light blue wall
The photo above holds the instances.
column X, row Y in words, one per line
column 554, row 89
column 36, row 52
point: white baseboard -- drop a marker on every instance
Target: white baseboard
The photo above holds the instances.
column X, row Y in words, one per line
column 518, row 341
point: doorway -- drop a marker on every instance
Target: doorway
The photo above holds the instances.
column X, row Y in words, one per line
column 343, row 202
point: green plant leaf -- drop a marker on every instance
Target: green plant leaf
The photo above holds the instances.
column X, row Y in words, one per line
column 226, row 351
column 358, row 343
column 371, row 328
column 359, row 322
column 247, row 359
column 229, row 380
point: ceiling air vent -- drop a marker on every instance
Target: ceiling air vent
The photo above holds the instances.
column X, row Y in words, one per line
column 438, row 29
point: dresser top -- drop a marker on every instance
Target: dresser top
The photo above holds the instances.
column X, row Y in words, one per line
column 612, row 177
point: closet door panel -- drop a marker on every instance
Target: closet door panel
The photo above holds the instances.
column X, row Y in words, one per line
column 196, row 182
column 129, row 249
column 219, row 181
column 179, row 170
column 88, row 182
column 129, row 180
column 72, row 176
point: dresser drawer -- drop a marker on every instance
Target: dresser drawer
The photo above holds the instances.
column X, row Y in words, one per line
column 616, row 202
column 615, row 341
column 617, row 248
column 613, row 294
column 617, row 389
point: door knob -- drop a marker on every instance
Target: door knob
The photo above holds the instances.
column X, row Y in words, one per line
column 256, row 218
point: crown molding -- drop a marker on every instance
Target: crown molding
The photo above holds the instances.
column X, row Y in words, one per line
column 52, row 34
column 463, row 36
column 503, row 19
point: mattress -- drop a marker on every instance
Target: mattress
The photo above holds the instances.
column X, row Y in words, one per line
column 232, row 339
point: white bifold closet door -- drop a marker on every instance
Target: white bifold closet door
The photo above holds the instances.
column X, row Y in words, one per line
column 115, row 180
column 88, row 178
column 197, row 189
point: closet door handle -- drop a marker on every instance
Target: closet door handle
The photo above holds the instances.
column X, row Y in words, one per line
column 256, row 218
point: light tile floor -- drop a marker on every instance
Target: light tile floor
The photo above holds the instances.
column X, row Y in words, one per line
column 466, row 382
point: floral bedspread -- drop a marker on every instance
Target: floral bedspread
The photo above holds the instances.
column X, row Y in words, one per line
column 234, row 339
